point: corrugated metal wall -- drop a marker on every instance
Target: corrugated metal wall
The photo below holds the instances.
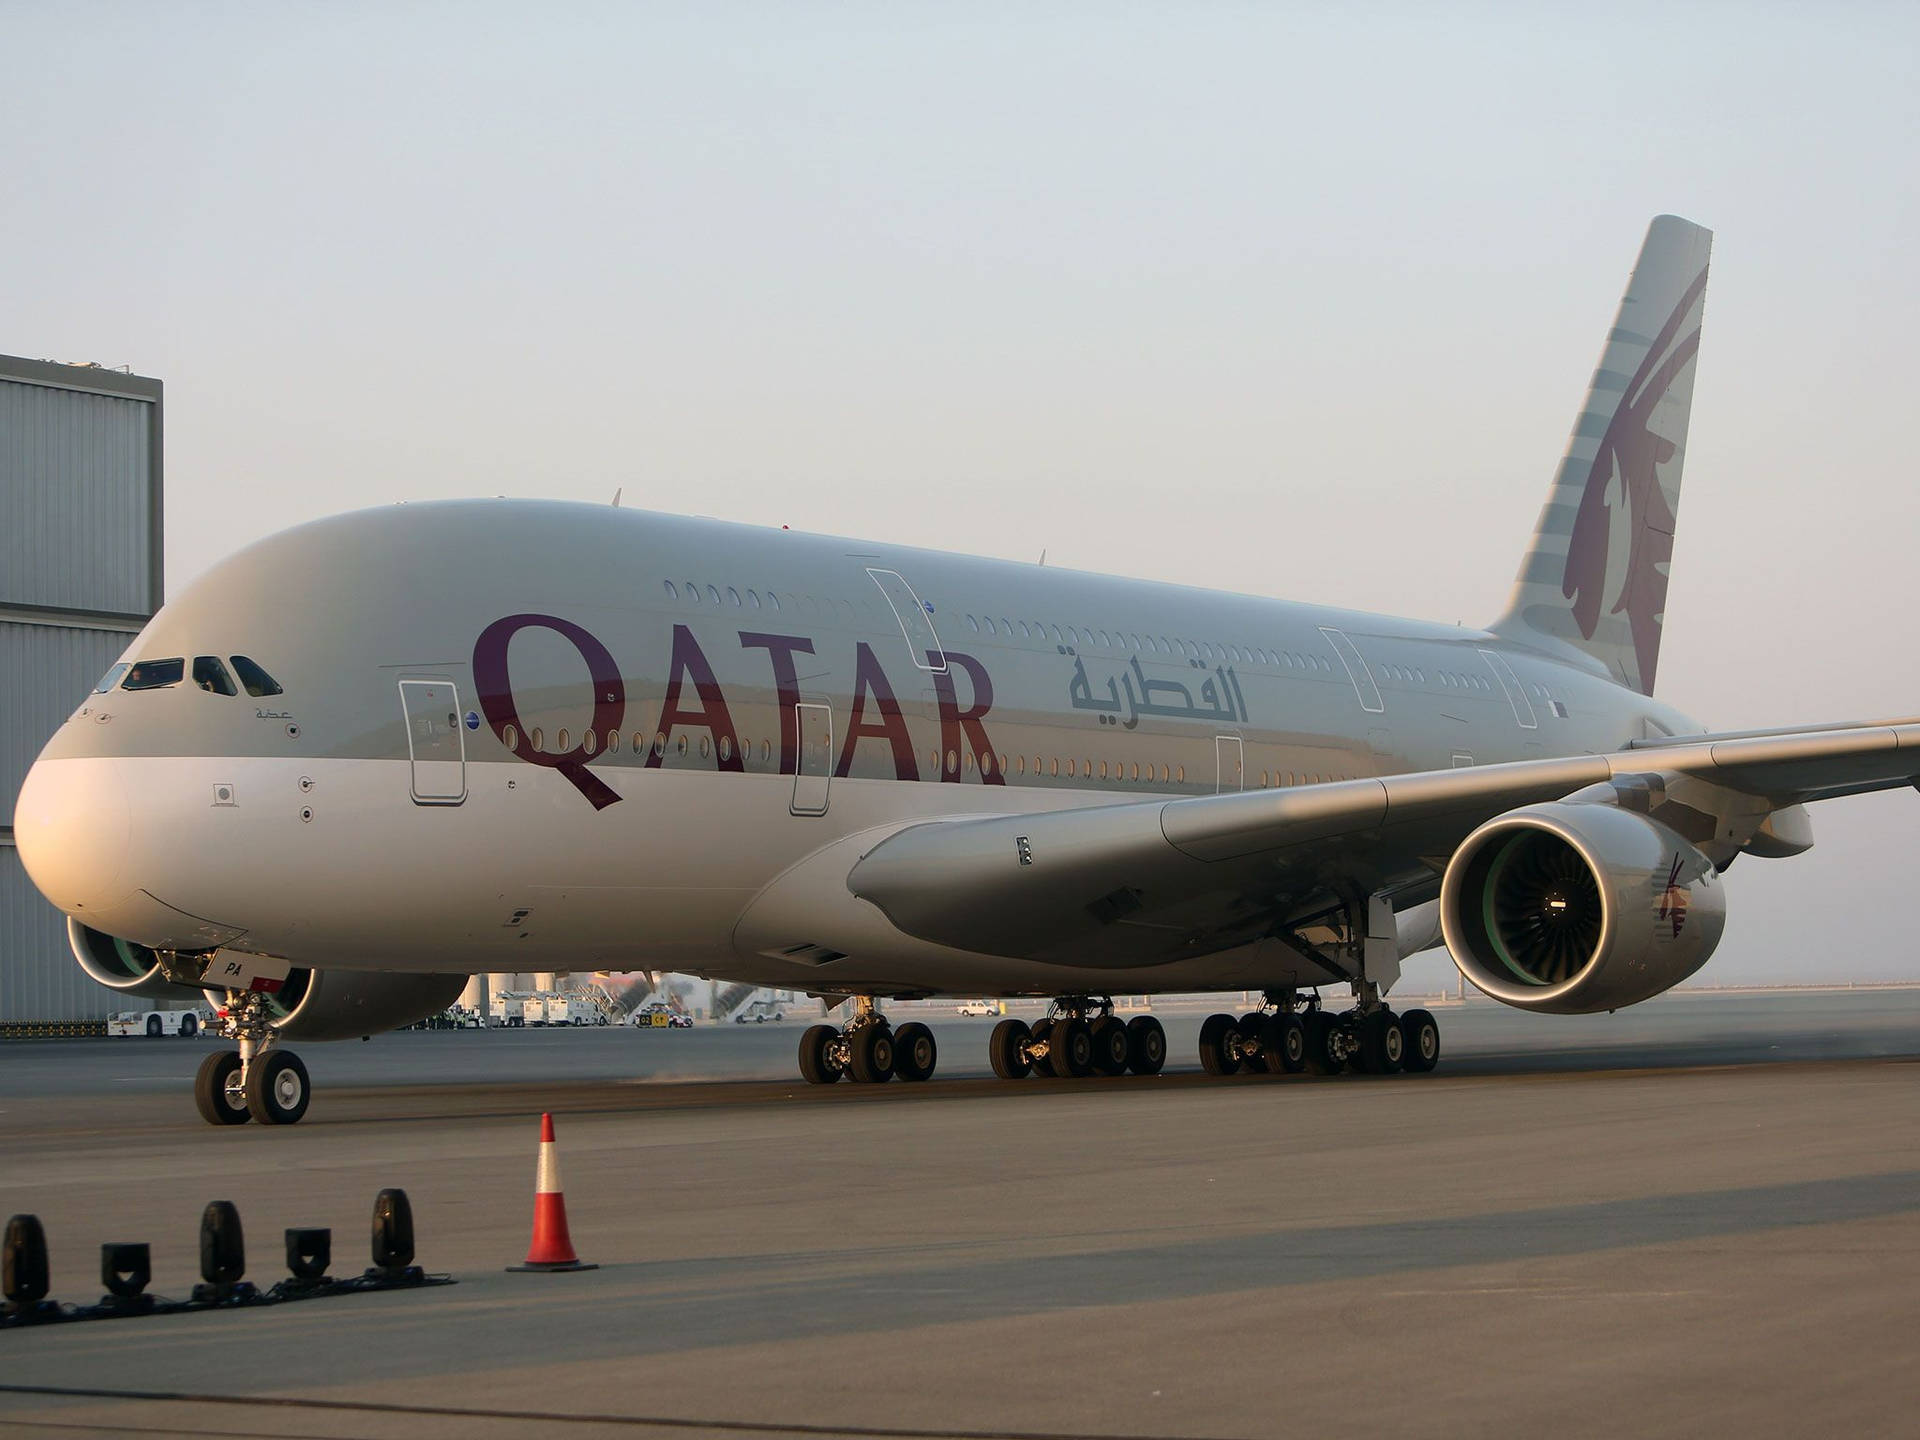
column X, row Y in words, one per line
column 79, row 487
column 39, row 979
column 73, row 469
column 45, row 672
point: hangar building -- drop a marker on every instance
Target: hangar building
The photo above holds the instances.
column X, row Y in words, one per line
column 80, row 574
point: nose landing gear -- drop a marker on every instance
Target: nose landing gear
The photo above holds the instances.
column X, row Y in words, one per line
column 258, row 1081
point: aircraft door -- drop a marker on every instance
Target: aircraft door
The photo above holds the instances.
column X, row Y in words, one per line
column 813, row 772
column 436, row 745
column 1231, row 756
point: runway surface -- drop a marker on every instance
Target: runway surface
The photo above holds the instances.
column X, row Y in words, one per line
column 1699, row 1216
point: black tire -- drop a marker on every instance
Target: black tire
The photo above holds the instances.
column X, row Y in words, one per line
column 1219, row 1052
column 1321, row 1028
column 278, row 1089
column 189, row 1025
column 914, row 1052
column 815, row 1067
column 1380, row 1043
column 872, row 1059
column 210, row 1090
column 1007, row 1050
column 1146, row 1045
column 1043, row 1035
column 1287, row 1037
column 1110, row 1048
column 153, row 1027
column 1421, row 1034
column 1072, row 1046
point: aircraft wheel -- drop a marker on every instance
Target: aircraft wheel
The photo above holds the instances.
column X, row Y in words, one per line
column 914, row 1052
column 1146, row 1045
column 1286, row 1044
column 816, row 1067
column 1008, row 1050
column 1219, row 1048
column 1110, row 1048
column 1381, row 1045
column 1421, row 1034
column 277, row 1088
column 1043, row 1035
column 1072, row 1047
column 1325, row 1055
column 210, row 1095
column 872, row 1058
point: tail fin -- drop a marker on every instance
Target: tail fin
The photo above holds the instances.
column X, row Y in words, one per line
column 1595, row 577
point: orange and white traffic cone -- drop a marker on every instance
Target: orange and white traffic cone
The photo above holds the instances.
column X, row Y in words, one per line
column 552, row 1247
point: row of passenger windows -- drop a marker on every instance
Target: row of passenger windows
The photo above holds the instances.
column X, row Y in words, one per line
column 208, row 673
column 983, row 763
column 713, row 596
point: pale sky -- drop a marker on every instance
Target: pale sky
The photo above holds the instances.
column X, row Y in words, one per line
column 1295, row 301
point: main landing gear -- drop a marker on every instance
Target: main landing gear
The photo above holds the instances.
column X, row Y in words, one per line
column 1287, row 1035
column 1079, row 1036
column 869, row 1050
column 258, row 1081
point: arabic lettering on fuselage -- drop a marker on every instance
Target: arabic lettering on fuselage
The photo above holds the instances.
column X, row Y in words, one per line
column 695, row 699
column 1133, row 693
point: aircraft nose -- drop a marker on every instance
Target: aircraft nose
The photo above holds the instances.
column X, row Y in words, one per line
column 73, row 828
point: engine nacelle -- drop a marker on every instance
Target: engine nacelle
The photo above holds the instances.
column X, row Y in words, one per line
column 346, row 1004
column 1570, row 909
column 122, row 965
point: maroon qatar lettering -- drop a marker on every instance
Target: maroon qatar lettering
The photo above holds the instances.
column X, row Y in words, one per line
column 786, row 687
column 690, row 662
column 870, row 679
column 695, row 699
column 495, row 685
column 960, row 728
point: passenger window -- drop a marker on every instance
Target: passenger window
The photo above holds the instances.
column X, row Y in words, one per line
column 588, row 741
column 613, row 742
column 705, row 741
column 1070, row 767
column 111, row 678
column 510, row 737
column 672, row 594
column 1180, row 774
column 681, row 745
column 973, row 625
column 1053, row 766
column 561, row 740
column 726, row 748
column 539, row 741
column 773, row 600
column 693, row 592
column 154, row 674
column 713, row 594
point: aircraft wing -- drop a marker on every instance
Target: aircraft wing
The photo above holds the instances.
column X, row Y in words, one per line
column 1142, row 884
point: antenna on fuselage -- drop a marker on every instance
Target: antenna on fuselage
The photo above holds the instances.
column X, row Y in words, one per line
column 616, row 495
column 1043, row 557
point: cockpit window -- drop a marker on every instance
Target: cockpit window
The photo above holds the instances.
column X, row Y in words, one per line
column 257, row 681
column 209, row 674
column 154, row 674
column 111, row 678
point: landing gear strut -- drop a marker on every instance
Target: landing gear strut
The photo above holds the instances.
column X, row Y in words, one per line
column 868, row 1050
column 258, row 1081
column 1288, row 1035
column 1080, row 1035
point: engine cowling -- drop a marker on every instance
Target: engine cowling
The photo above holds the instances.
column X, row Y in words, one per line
column 122, row 965
column 1570, row 909
column 346, row 1004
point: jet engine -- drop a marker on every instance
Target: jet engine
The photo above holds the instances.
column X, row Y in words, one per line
column 1570, row 909
column 345, row 1004
column 122, row 965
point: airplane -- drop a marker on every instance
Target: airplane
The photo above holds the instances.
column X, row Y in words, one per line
column 361, row 759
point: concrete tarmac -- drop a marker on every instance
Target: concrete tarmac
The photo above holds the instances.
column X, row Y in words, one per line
column 1700, row 1216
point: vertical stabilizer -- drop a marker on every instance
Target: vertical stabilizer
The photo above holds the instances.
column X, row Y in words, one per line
column 1595, row 576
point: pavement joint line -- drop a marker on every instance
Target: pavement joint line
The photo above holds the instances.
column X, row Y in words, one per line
column 562, row 1417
